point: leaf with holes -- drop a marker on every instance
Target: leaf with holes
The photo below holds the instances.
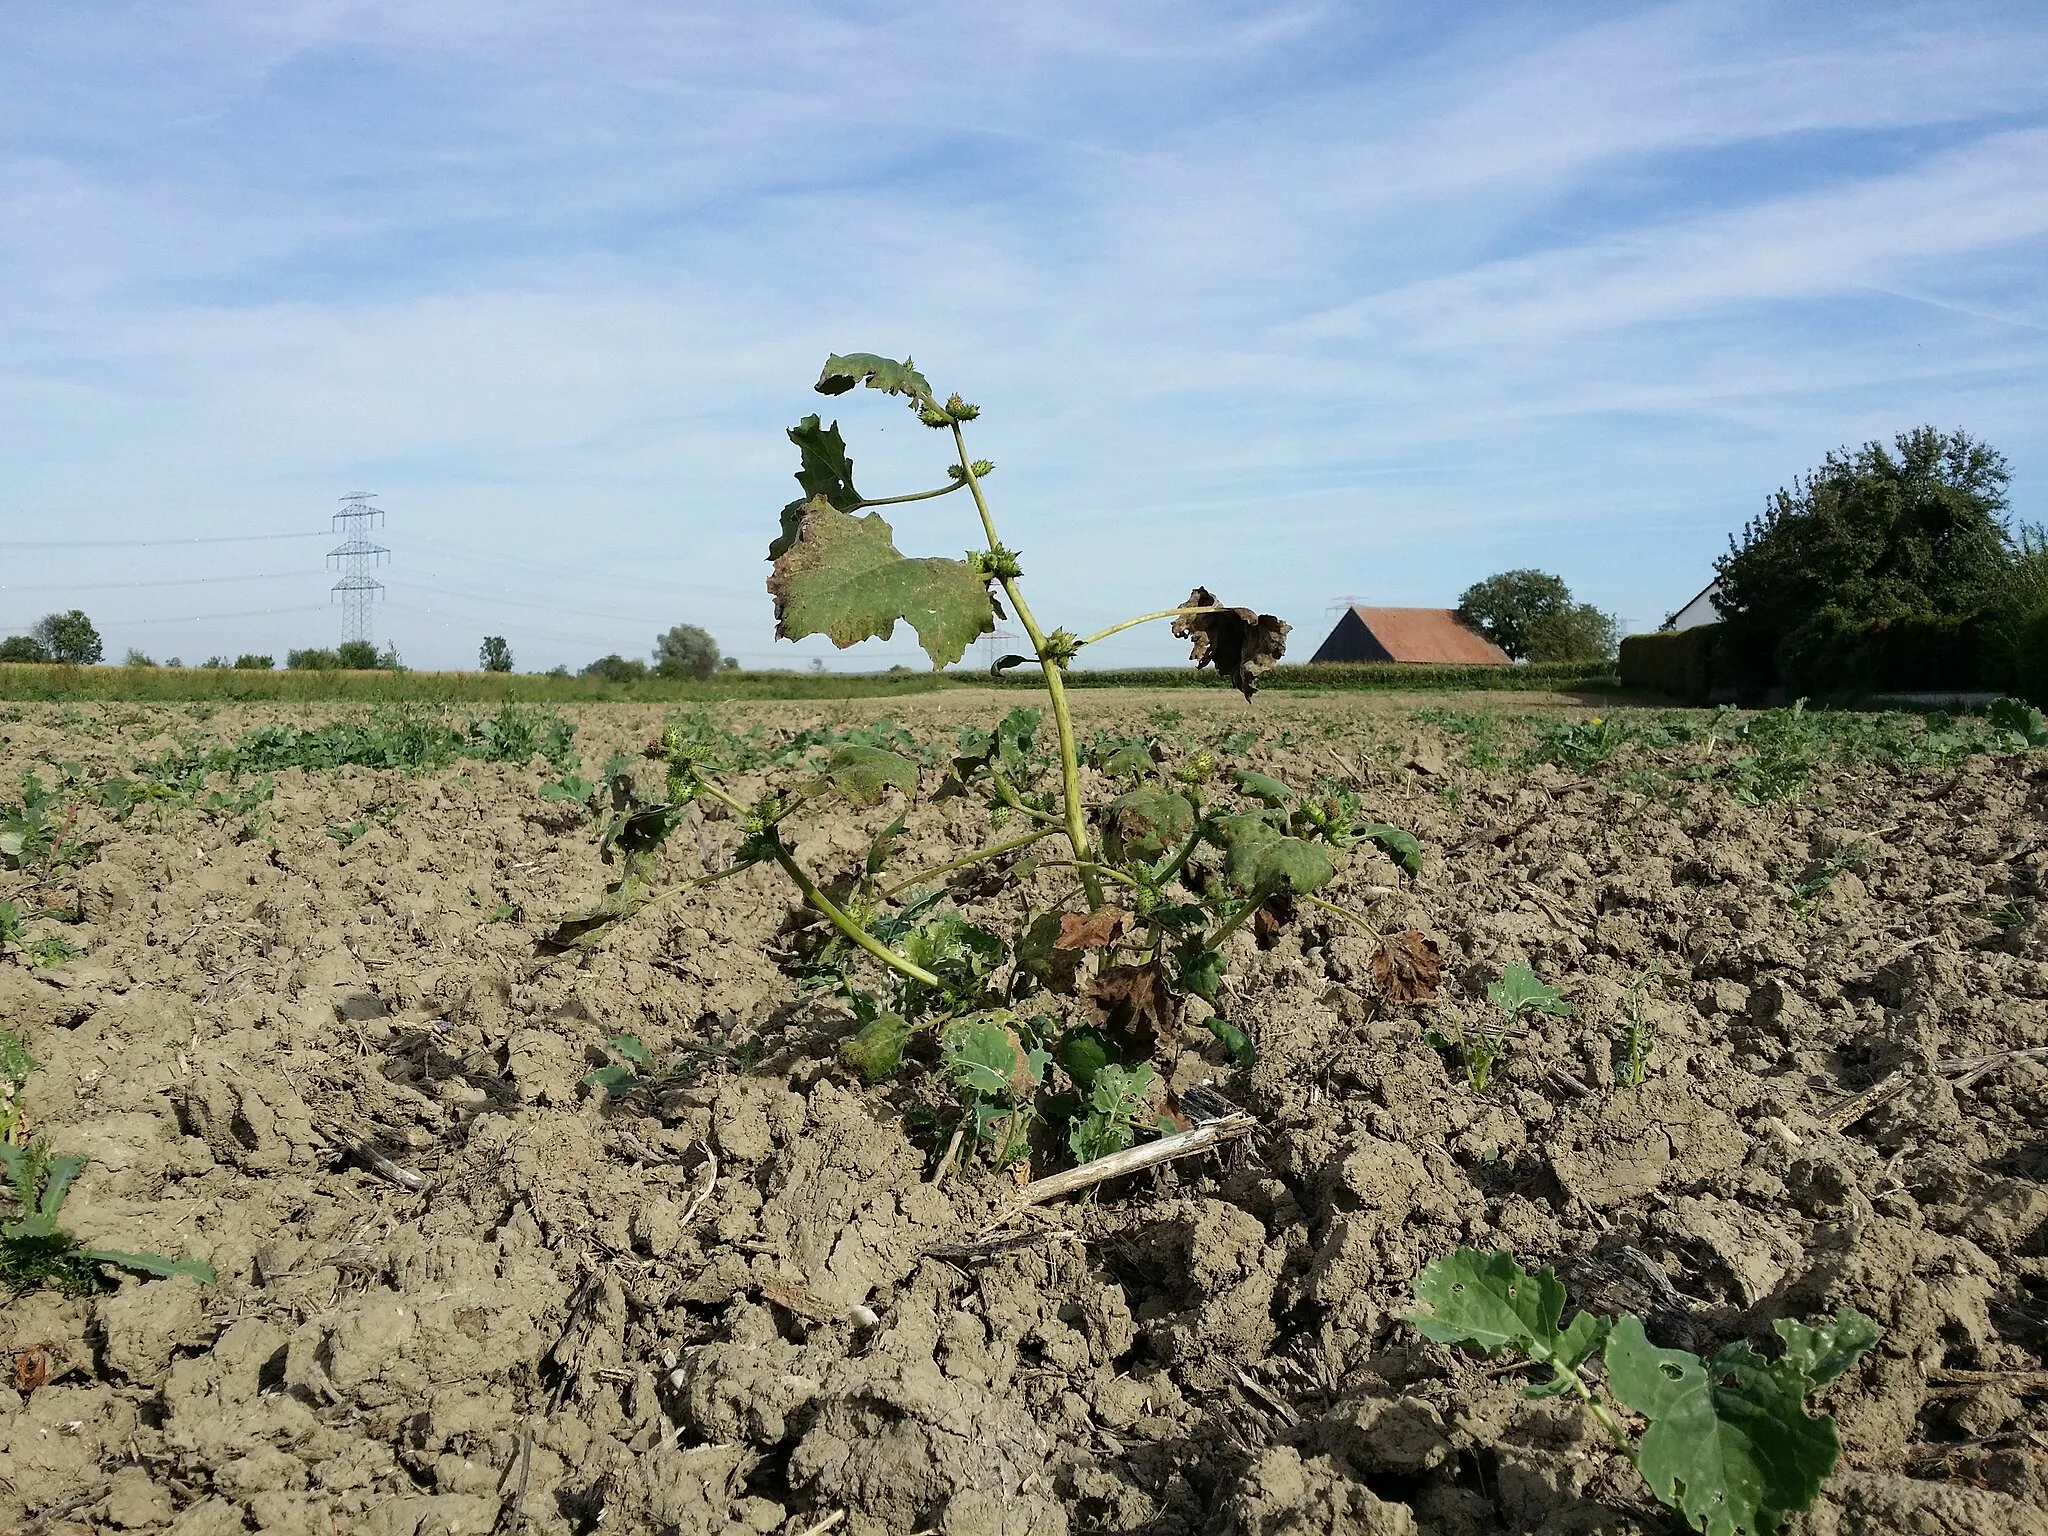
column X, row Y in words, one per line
column 1520, row 990
column 842, row 577
column 1730, row 1446
column 1821, row 1353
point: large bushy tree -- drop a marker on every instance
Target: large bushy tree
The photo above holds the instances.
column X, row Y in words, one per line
column 686, row 651
column 1531, row 615
column 69, row 637
column 23, row 648
column 1909, row 532
column 494, row 655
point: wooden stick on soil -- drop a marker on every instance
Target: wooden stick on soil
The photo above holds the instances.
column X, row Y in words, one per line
column 1202, row 1138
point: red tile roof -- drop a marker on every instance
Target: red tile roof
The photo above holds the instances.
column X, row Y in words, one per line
column 1429, row 634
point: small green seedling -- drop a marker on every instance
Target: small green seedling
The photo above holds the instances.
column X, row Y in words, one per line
column 12, row 926
column 1481, row 1045
column 995, row 1078
column 35, row 1250
column 1805, row 893
column 1729, row 1443
column 15, row 1066
column 1117, row 1106
column 52, row 949
column 1637, row 1037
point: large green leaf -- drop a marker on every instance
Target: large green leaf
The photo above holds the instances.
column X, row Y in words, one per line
column 1489, row 1301
column 981, row 1055
column 1257, row 856
column 1730, row 1447
column 1400, row 846
column 842, row 576
column 1144, row 823
column 863, row 774
column 884, row 373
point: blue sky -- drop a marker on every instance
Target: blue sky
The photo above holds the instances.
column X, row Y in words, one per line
column 1297, row 302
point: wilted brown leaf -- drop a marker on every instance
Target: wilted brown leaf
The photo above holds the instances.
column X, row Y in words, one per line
column 1133, row 1005
column 1238, row 642
column 1408, row 966
column 1271, row 920
column 31, row 1370
column 1079, row 933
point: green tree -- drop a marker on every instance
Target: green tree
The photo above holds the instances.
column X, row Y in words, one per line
column 356, row 656
column 23, row 648
column 1913, row 531
column 69, row 637
column 494, row 655
column 616, row 669
column 250, row 662
column 686, row 651
column 1507, row 608
column 1580, row 633
column 136, row 658
column 311, row 660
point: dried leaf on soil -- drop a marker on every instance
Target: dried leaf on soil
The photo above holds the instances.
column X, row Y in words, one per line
column 842, row 577
column 1408, row 966
column 1133, row 1005
column 1239, row 642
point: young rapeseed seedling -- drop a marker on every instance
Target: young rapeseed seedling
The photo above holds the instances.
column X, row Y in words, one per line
column 1729, row 1443
column 1480, row 1046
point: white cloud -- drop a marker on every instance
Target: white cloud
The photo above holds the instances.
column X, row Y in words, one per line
column 1320, row 297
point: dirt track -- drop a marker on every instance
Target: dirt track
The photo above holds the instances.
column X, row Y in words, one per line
column 756, row 1311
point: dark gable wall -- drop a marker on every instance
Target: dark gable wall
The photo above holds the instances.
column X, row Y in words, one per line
column 1351, row 641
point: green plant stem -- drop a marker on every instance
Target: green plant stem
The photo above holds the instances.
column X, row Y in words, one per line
column 1186, row 851
column 980, row 855
column 1146, row 618
column 1342, row 911
column 849, row 927
column 1055, row 687
column 1007, row 793
column 1601, row 1411
column 897, row 501
column 1257, row 900
column 824, row 903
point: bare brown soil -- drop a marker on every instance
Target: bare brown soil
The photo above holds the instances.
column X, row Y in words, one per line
column 756, row 1311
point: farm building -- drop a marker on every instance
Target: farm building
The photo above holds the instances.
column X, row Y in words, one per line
column 1700, row 610
column 1408, row 634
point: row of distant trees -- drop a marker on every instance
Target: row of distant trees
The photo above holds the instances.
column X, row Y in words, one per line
column 685, row 651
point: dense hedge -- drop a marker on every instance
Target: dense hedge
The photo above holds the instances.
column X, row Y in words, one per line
column 1681, row 664
column 1382, row 675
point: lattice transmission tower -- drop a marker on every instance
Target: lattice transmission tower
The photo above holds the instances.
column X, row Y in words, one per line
column 355, row 557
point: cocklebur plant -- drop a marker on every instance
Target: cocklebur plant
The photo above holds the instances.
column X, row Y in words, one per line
column 1728, row 1443
column 1163, row 872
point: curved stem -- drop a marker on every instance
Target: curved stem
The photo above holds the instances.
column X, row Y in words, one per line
column 1342, row 911
column 825, row 904
column 897, row 501
column 1147, row 618
column 1186, row 852
column 1055, row 686
column 849, row 927
column 978, row 856
column 1007, row 793
column 1607, row 1420
column 1257, row 900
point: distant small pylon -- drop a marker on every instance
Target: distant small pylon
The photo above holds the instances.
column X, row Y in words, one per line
column 355, row 557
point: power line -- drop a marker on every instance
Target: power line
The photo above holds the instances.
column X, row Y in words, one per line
column 190, row 618
column 225, row 538
column 173, row 581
